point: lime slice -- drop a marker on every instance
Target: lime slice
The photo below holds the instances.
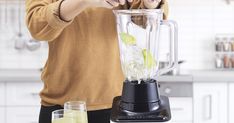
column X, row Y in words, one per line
column 149, row 60
column 127, row 39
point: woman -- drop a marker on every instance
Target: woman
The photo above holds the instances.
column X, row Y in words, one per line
column 83, row 61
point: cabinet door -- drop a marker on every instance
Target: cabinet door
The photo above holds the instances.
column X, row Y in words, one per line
column 22, row 114
column 23, row 94
column 2, row 115
column 2, row 94
column 210, row 102
column 181, row 109
column 231, row 102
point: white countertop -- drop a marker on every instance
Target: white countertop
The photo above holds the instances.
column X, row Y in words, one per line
column 176, row 78
column 34, row 75
column 212, row 76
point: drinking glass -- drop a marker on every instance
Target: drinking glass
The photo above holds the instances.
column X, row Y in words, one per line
column 61, row 116
column 78, row 109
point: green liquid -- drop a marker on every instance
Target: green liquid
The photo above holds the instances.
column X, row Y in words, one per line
column 64, row 120
column 77, row 116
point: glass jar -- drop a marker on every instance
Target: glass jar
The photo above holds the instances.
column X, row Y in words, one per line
column 227, row 61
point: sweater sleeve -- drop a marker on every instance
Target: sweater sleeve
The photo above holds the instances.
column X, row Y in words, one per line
column 43, row 20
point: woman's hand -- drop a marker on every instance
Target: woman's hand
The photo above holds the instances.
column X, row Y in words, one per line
column 107, row 3
column 151, row 4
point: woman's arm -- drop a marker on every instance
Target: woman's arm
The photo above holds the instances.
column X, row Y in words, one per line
column 47, row 18
column 42, row 19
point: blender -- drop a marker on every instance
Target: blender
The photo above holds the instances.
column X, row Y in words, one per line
column 138, row 35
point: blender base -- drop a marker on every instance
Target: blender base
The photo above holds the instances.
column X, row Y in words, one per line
column 142, row 122
column 161, row 115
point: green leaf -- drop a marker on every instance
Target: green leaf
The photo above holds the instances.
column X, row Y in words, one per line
column 149, row 60
column 127, row 39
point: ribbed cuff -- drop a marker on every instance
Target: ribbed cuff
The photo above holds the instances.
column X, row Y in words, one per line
column 163, row 5
column 52, row 16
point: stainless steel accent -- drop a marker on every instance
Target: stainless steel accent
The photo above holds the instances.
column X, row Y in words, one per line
column 33, row 45
column 176, row 89
column 208, row 107
column 6, row 13
column 176, row 71
column 19, row 40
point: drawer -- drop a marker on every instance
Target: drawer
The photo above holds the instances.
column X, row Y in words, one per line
column 23, row 94
column 183, row 122
column 22, row 114
column 181, row 109
column 2, row 94
column 2, row 115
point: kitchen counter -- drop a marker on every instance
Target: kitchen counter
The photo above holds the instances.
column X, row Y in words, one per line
column 34, row 75
column 213, row 76
column 176, row 78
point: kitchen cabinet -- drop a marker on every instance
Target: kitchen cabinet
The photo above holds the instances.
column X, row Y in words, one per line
column 210, row 102
column 22, row 114
column 181, row 100
column 231, row 103
column 22, row 102
column 23, row 93
column 2, row 115
column 181, row 110
column 2, row 94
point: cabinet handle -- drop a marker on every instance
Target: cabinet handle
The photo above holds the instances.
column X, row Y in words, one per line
column 177, row 109
column 208, row 107
column 33, row 122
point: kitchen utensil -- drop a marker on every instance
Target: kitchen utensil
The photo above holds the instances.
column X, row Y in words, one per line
column 1, row 16
column 138, row 36
column 13, row 17
column 176, row 71
column 226, row 45
column 219, row 61
column 19, row 38
column 6, row 12
column 232, row 61
column 226, row 61
column 61, row 116
column 19, row 42
column 33, row 45
column 78, row 108
column 232, row 43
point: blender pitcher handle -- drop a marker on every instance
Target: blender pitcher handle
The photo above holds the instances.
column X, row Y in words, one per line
column 173, row 63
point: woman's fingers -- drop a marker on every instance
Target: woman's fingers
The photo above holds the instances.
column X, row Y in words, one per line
column 130, row 1
column 113, row 3
column 122, row 2
column 151, row 4
column 107, row 5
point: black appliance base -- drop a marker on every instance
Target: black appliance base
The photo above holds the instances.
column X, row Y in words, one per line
column 162, row 114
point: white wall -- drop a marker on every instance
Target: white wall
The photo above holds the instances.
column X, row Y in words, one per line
column 9, row 26
column 199, row 21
